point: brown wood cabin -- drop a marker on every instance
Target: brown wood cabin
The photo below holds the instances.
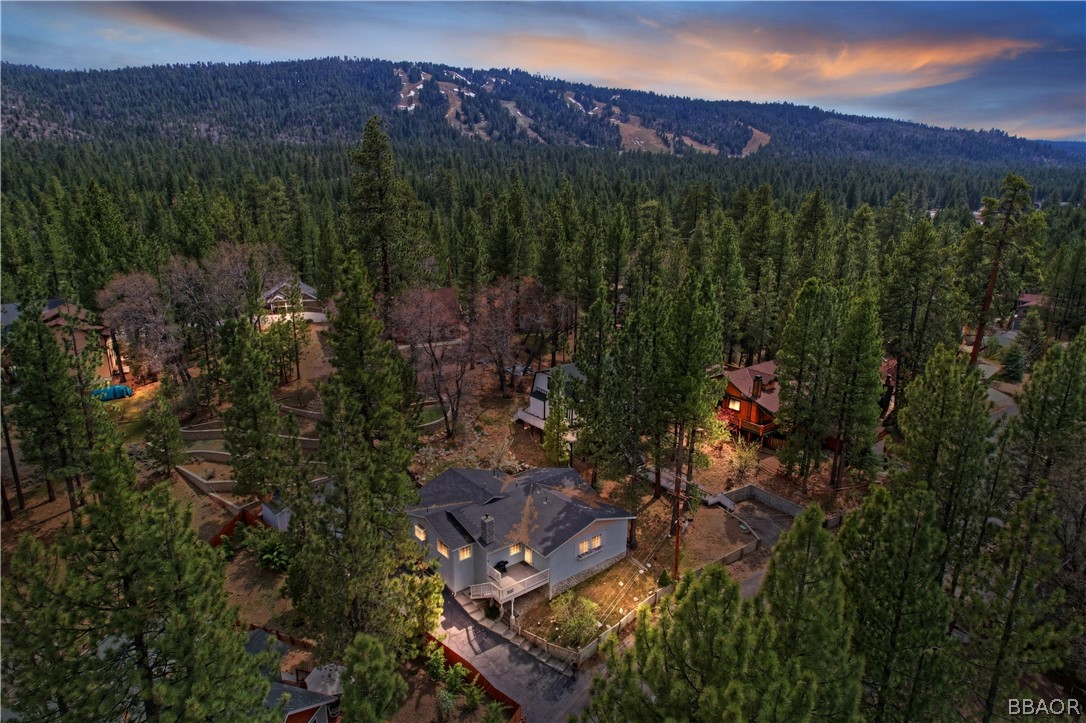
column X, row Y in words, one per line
column 81, row 333
column 751, row 400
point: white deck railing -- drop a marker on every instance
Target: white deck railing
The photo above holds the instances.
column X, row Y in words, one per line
column 512, row 589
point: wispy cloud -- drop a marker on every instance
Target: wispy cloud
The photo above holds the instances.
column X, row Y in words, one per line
column 113, row 35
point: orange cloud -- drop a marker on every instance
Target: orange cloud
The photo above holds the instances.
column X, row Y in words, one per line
column 739, row 62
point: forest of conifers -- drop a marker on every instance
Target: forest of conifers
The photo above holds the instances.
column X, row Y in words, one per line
column 829, row 250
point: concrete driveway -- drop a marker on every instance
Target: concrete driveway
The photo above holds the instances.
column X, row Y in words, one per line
column 544, row 694
column 766, row 522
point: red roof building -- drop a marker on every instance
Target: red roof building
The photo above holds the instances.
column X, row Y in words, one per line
column 752, row 399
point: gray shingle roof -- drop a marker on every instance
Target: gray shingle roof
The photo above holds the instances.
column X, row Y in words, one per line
column 543, row 508
column 260, row 641
column 300, row 698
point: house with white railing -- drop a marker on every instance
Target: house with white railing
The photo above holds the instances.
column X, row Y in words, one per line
column 500, row 536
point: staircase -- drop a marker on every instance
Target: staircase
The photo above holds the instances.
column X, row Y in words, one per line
column 476, row 613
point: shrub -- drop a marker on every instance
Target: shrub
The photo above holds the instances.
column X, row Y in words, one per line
column 494, row 713
column 455, row 677
column 267, row 545
column 577, row 621
column 446, row 703
column 473, row 696
column 435, row 661
column 1014, row 363
column 665, row 578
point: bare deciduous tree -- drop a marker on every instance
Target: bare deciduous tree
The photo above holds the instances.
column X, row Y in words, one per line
column 430, row 323
column 494, row 327
column 133, row 307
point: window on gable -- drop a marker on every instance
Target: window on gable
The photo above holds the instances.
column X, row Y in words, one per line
column 442, row 548
column 587, row 547
column 465, row 552
column 734, row 404
column 420, row 532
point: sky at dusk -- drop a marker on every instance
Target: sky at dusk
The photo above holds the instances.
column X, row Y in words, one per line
column 1018, row 66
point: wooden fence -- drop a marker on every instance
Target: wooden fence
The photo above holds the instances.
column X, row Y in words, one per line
column 288, row 639
column 247, row 517
column 586, row 653
column 452, row 658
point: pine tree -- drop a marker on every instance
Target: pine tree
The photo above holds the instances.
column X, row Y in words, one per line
column 919, row 303
column 730, row 281
column 164, row 441
column 804, row 367
column 298, row 326
column 355, row 567
column 947, row 430
column 900, row 611
column 46, row 407
column 1004, row 246
column 856, row 387
column 1010, row 607
column 1031, row 338
column 145, row 632
column 1014, row 363
column 556, row 425
column 251, row 421
column 593, row 359
column 380, row 214
column 706, row 659
column 372, row 688
column 804, row 598
column 1052, row 413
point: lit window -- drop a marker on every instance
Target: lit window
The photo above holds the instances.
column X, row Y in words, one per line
column 528, row 555
column 587, row 547
column 734, row 404
column 420, row 532
column 465, row 552
column 515, row 548
column 442, row 548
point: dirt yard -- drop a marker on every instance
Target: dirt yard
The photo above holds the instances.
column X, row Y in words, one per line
column 713, row 534
column 255, row 591
column 208, row 518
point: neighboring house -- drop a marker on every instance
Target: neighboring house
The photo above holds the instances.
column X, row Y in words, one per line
column 274, row 513
column 500, row 536
column 751, row 400
column 302, row 705
column 535, row 414
column 81, row 333
column 277, row 301
column 1024, row 304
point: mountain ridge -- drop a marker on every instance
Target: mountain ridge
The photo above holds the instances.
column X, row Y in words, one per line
column 315, row 100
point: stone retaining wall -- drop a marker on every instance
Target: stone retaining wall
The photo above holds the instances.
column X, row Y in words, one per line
column 559, row 587
column 195, row 435
column 209, row 455
column 768, row 499
column 299, row 412
column 210, row 488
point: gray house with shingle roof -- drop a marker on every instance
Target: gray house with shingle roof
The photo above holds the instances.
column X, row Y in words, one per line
column 500, row 536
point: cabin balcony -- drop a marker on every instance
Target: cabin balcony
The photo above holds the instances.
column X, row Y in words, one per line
column 733, row 419
column 518, row 579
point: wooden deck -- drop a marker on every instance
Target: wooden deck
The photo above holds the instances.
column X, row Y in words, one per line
column 518, row 579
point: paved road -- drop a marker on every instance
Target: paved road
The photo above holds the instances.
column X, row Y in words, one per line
column 750, row 587
column 545, row 695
